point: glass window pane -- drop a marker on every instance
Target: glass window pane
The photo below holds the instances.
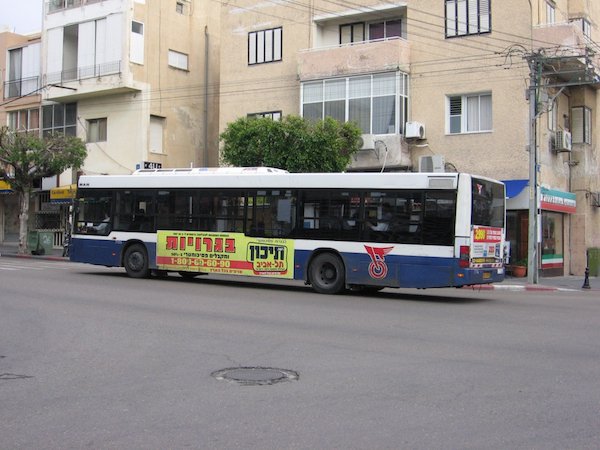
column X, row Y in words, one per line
column 313, row 111
column 336, row 110
column 376, row 31
column 393, row 28
column 473, row 113
column 312, row 92
column 384, row 84
column 360, row 87
column 485, row 106
column 384, row 115
column 360, row 112
column 335, row 89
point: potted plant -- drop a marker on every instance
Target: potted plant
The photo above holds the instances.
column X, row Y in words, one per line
column 519, row 269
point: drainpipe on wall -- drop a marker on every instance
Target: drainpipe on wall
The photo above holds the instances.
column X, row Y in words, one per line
column 205, row 155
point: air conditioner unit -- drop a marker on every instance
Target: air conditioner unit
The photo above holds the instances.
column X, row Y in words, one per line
column 367, row 142
column 562, row 141
column 433, row 163
column 414, row 130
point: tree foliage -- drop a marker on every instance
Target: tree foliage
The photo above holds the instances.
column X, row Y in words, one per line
column 293, row 144
column 26, row 158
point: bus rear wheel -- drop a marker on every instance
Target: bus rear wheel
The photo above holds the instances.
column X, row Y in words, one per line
column 136, row 261
column 327, row 274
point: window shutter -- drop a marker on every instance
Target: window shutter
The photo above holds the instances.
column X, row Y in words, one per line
column 577, row 125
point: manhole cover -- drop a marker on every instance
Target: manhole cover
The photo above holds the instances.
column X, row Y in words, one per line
column 255, row 376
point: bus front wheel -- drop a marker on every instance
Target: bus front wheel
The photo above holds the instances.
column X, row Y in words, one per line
column 136, row 261
column 327, row 274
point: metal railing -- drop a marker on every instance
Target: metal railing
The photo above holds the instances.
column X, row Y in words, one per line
column 80, row 73
column 60, row 5
column 21, row 87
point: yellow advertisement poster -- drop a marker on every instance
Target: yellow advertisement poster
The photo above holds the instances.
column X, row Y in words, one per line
column 230, row 253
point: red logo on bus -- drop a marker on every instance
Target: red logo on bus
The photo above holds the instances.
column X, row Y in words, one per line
column 378, row 268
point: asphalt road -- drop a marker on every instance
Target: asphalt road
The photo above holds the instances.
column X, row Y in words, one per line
column 92, row 359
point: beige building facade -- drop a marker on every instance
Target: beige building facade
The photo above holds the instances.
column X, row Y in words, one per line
column 142, row 77
column 19, row 108
column 441, row 85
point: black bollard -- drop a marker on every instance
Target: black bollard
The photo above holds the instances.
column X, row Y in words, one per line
column 586, row 280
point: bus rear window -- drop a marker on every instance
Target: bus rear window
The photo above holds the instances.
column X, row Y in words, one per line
column 488, row 203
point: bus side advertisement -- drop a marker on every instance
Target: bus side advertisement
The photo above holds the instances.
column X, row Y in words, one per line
column 226, row 253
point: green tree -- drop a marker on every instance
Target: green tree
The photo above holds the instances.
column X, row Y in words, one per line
column 26, row 158
column 293, row 144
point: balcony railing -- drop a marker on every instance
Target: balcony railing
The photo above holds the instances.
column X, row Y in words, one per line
column 61, row 5
column 21, row 87
column 80, row 73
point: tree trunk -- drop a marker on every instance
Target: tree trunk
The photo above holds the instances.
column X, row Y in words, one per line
column 23, row 220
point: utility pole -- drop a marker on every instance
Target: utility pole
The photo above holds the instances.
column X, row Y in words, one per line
column 533, row 230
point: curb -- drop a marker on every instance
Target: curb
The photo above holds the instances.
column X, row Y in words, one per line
column 27, row 256
column 519, row 287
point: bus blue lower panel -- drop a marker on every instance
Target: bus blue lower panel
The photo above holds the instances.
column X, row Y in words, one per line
column 404, row 271
column 389, row 271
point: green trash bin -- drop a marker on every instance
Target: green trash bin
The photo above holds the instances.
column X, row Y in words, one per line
column 594, row 261
column 33, row 242
column 46, row 241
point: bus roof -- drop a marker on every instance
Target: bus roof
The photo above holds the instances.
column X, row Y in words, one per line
column 265, row 179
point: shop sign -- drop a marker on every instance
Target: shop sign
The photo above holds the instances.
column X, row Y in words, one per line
column 229, row 253
column 63, row 194
column 559, row 201
column 5, row 187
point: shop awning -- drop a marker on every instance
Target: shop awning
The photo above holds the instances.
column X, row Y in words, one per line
column 5, row 188
column 517, row 195
column 515, row 187
column 63, row 194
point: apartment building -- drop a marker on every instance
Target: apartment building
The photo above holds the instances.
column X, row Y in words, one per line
column 138, row 80
column 440, row 85
column 19, row 108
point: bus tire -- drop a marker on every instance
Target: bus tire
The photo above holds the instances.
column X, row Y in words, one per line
column 327, row 274
column 136, row 261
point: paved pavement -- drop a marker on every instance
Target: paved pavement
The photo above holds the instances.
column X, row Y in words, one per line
column 569, row 282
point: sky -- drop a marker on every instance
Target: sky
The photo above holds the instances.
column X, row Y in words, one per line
column 21, row 16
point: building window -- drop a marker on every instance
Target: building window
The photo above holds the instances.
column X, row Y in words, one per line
column 274, row 115
column 136, row 51
column 157, row 126
column 586, row 28
column 469, row 113
column 352, row 32
column 84, row 50
column 465, row 17
column 265, row 46
column 59, row 118
column 377, row 102
column 385, row 29
column 23, row 71
column 553, row 116
column 550, row 12
column 96, row 130
column 581, row 125
column 179, row 8
column 25, row 120
column 178, row 60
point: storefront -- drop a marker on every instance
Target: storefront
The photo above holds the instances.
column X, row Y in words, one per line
column 554, row 206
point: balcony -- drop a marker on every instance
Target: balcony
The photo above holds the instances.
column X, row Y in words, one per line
column 60, row 5
column 21, row 87
column 82, row 82
column 568, row 54
column 356, row 58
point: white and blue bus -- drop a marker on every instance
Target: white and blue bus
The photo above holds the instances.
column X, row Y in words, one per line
column 332, row 230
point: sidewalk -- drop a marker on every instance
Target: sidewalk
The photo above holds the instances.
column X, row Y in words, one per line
column 564, row 283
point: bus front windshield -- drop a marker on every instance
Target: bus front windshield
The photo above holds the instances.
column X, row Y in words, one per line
column 92, row 213
column 488, row 203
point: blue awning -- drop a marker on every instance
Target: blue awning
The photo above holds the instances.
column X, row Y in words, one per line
column 514, row 187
